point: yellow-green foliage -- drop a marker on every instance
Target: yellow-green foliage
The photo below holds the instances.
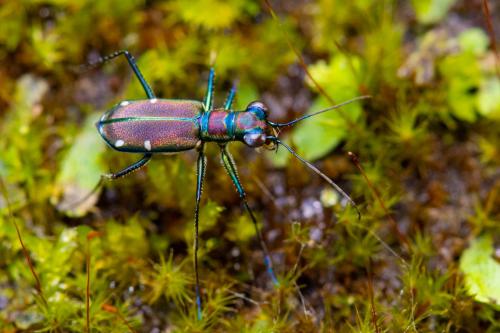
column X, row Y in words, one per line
column 423, row 257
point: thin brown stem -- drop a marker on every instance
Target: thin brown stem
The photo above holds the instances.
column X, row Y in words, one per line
column 491, row 31
column 303, row 64
column 372, row 301
column 402, row 237
column 111, row 309
column 38, row 285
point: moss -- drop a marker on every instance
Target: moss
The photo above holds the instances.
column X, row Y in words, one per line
column 424, row 179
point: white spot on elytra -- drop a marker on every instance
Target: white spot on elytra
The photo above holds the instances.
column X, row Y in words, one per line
column 103, row 117
column 119, row 143
column 124, row 103
column 153, row 101
column 147, row 145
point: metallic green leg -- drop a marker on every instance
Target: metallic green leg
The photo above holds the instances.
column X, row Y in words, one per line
column 110, row 176
column 132, row 63
column 230, row 167
column 230, row 99
column 122, row 173
column 200, row 175
column 209, row 97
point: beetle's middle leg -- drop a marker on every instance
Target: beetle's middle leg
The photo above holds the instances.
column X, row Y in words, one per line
column 200, row 176
column 209, row 95
column 230, row 98
column 230, row 167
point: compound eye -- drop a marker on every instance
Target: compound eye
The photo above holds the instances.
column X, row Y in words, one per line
column 258, row 108
column 254, row 139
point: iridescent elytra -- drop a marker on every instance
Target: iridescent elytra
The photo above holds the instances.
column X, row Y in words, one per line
column 155, row 125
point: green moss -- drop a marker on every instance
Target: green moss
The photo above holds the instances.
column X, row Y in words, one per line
column 425, row 180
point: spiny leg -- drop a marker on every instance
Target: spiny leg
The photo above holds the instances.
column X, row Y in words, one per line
column 131, row 168
column 200, row 175
column 230, row 98
column 132, row 63
column 110, row 176
column 230, row 167
column 209, row 95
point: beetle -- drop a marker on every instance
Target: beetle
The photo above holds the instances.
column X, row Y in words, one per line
column 155, row 125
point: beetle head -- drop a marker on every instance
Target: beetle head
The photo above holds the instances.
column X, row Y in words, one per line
column 257, row 135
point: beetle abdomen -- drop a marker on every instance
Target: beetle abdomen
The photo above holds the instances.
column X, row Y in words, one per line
column 154, row 125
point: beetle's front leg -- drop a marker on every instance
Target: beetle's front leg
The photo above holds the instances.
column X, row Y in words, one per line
column 230, row 166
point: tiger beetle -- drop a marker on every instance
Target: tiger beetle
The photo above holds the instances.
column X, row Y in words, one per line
column 155, row 125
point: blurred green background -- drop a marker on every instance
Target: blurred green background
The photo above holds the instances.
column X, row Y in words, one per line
column 424, row 257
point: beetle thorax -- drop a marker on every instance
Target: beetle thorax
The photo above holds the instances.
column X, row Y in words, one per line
column 249, row 126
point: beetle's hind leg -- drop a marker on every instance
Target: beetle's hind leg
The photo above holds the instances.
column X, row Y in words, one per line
column 131, row 168
column 110, row 176
column 131, row 61
column 230, row 167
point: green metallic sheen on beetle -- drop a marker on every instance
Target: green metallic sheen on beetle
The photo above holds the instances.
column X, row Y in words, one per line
column 166, row 125
column 170, row 125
